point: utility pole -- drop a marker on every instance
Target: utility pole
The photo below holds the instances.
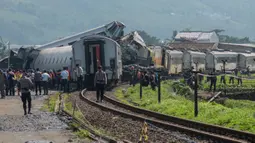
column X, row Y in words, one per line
column 196, row 63
column 159, row 90
column 195, row 94
column 224, row 70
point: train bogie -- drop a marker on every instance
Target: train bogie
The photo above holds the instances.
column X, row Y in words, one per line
column 193, row 60
column 216, row 59
column 173, row 61
column 92, row 51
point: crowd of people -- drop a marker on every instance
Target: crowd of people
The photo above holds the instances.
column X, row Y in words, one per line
column 21, row 82
column 144, row 76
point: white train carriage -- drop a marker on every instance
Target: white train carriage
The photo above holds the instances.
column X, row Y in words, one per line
column 192, row 59
column 246, row 60
column 214, row 60
column 54, row 58
column 173, row 61
column 95, row 50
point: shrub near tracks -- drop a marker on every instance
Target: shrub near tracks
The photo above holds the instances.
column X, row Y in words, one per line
column 213, row 113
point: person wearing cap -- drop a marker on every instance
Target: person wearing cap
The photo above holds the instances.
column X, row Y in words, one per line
column 25, row 85
column 100, row 81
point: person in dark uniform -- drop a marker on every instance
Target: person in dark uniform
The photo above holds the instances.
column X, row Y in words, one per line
column 152, row 81
column 100, row 81
column 213, row 80
column 25, row 85
column 38, row 80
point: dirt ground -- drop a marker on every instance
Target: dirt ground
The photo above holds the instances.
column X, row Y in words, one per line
column 12, row 107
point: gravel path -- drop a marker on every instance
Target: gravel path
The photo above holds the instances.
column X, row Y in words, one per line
column 126, row 128
column 39, row 127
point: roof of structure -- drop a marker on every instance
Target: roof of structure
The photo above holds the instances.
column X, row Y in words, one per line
column 194, row 35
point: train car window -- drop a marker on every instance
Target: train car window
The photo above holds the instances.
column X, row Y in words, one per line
column 57, row 61
column 49, row 61
column 65, row 60
column 46, row 61
column 53, row 60
column 61, row 60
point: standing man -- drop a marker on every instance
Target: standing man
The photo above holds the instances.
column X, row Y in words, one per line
column 213, row 81
column 79, row 73
column 45, row 80
column 11, row 85
column 2, row 84
column 64, row 78
column 38, row 78
column 25, row 85
column 99, row 82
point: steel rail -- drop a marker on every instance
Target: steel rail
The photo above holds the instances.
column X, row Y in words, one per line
column 162, row 124
column 188, row 123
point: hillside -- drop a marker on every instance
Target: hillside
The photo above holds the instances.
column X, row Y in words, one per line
column 39, row 21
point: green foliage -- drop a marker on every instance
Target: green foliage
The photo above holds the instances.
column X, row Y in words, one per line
column 69, row 107
column 233, row 114
column 247, row 86
column 232, row 39
column 49, row 104
column 149, row 40
column 82, row 134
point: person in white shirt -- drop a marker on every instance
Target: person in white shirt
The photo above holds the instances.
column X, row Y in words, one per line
column 64, row 78
column 45, row 79
column 79, row 76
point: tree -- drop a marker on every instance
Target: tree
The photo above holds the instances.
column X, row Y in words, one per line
column 148, row 39
column 218, row 31
column 174, row 34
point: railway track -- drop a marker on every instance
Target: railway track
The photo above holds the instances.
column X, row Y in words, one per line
column 206, row 131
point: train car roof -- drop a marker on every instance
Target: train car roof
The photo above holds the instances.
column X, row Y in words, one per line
column 224, row 54
column 174, row 52
column 92, row 37
column 248, row 54
column 195, row 52
column 56, row 49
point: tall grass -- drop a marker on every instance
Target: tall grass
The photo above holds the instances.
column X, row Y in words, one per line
column 233, row 114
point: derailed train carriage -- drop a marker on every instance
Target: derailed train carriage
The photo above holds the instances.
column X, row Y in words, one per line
column 95, row 50
column 173, row 61
column 216, row 59
column 246, row 60
column 193, row 60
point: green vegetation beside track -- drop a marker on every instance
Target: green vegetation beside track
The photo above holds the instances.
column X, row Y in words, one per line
column 236, row 114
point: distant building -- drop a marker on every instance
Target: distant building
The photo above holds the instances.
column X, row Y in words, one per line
column 197, row 36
